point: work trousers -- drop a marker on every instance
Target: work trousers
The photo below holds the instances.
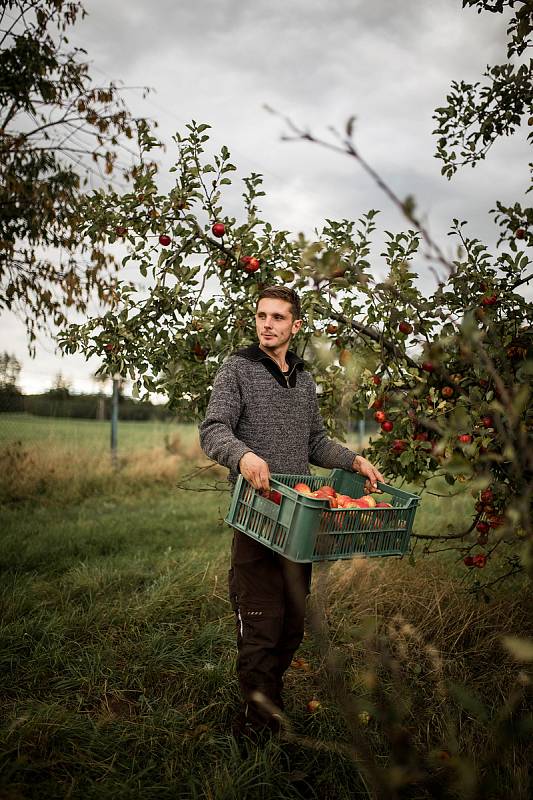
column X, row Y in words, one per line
column 268, row 594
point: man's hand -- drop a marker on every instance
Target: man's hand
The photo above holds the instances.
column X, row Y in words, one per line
column 255, row 470
column 364, row 467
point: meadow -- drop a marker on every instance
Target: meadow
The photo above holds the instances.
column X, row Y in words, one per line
column 117, row 643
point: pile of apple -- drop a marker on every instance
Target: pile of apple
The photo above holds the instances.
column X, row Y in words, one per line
column 337, row 500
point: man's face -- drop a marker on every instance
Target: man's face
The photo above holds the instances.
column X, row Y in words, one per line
column 274, row 323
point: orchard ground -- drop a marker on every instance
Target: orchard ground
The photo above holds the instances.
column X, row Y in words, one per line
column 117, row 637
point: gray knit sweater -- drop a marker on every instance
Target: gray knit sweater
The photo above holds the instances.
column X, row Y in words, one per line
column 254, row 407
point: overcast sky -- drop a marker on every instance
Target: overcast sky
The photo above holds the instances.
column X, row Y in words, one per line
column 319, row 61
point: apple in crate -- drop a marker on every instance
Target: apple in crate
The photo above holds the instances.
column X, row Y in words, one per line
column 356, row 502
column 320, row 494
column 303, row 488
column 342, row 499
column 368, row 500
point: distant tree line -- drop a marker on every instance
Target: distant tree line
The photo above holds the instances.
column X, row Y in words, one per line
column 60, row 402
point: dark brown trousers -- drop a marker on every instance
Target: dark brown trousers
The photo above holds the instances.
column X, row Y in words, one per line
column 268, row 594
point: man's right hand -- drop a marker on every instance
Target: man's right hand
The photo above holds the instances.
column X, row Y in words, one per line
column 255, row 471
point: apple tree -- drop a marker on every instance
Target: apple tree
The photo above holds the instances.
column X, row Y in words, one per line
column 58, row 131
column 448, row 376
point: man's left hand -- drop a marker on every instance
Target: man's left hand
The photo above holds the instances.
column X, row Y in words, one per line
column 371, row 473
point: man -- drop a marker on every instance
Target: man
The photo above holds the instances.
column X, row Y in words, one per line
column 263, row 418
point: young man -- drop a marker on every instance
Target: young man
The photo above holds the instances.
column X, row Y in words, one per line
column 263, row 418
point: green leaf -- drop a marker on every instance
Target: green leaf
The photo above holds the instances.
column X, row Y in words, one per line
column 285, row 275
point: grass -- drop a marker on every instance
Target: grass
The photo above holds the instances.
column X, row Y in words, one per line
column 84, row 434
column 117, row 649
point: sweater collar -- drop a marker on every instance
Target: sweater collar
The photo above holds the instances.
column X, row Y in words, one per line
column 254, row 353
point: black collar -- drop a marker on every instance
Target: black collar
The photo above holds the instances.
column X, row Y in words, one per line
column 254, row 353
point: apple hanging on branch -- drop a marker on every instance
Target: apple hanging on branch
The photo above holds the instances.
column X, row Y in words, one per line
column 156, row 348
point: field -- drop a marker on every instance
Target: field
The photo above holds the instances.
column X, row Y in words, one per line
column 84, row 434
column 117, row 643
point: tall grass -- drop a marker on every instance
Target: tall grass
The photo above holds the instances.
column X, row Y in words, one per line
column 117, row 651
column 53, row 473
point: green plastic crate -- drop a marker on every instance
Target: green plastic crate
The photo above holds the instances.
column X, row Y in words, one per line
column 304, row 528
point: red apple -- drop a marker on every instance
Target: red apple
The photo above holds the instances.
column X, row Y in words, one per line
column 199, row 351
column 387, row 426
column 164, row 240
column 303, row 488
column 313, row 705
column 482, row 526
column 378, row 403
column 487, row 422
column 380, row 416
column 421, row 436
column 520, row 233
column 428, row 366
column 368, row 500
column 447, row 391
column 399, row 445
column 355, row 503
column 250, row 264
column 342, row 499
column 329, row 490
column 319, row 494
column 376, row 380
column 516, row 352
column 121, row 230
column 479, row 560
column 465, row 438
column 301, row 663
column 489, row 300
column 331, row 329
column 487, row 495
column 405, row 327
column 468, row 561
column 218, row 229
column 339, row 273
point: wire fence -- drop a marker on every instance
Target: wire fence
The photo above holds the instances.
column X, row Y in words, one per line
column 76, row 435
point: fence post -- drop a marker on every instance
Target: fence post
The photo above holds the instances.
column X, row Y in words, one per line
column 361, row 426
column 114, row 422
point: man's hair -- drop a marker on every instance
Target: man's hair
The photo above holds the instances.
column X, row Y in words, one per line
column 282, row 293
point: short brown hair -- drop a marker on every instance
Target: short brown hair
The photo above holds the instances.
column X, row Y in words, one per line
column 282, row 293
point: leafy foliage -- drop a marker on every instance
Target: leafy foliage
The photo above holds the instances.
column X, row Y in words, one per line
column 454, row 388
column 449, row 375
column 477, row 115
column 57, row 131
